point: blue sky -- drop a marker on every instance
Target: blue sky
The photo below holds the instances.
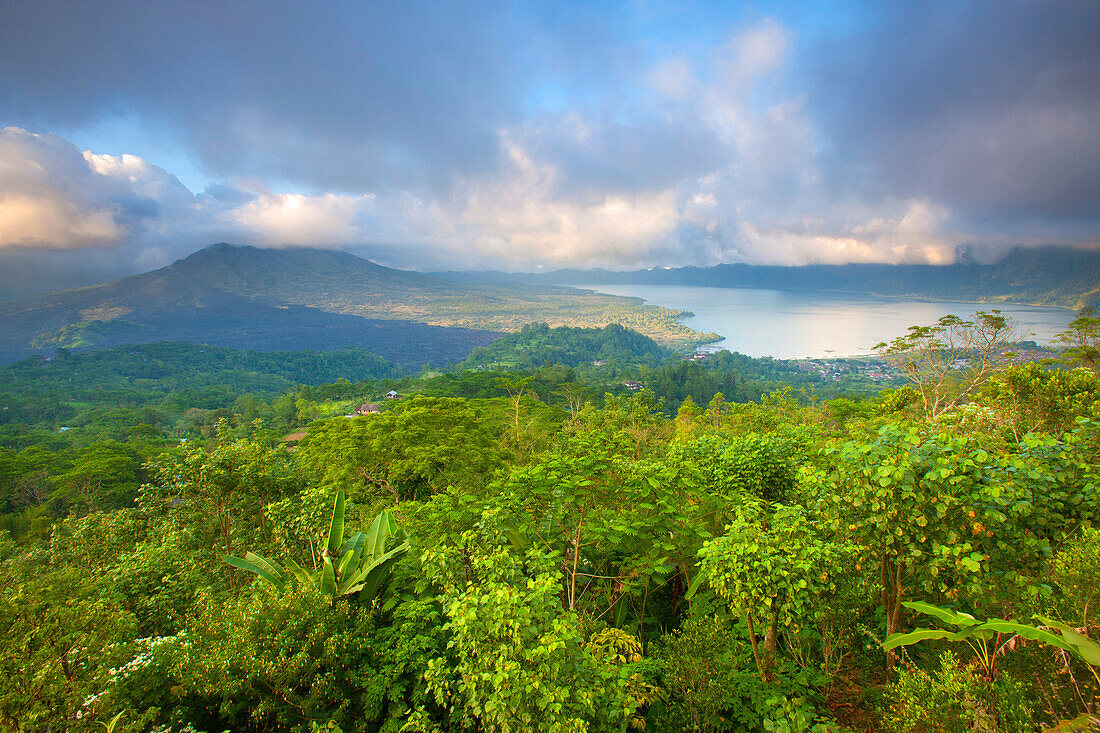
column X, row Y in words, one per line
column 539, row 135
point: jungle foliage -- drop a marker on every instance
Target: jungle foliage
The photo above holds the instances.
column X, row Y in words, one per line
column 542, row 550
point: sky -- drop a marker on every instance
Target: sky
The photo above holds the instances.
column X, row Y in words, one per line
column 533, row 136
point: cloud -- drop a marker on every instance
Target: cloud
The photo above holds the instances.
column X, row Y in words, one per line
column 988, row 107
column 503, row 135
column 729, row 173
column 329, row 95
column 293, row 219
column 53, row 196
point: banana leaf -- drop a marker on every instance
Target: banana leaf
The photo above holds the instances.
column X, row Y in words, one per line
column 622, row 605
column 369, row 579
column 895, row 640
column 336, row 528
column 328, row 578
column 260, row 566
column 1086, row 648
column 353, row 550
column 695, row 583
column 947, row 616
column 380, row 530
column 374, row 580
column 301, row 574
column 1028, row 632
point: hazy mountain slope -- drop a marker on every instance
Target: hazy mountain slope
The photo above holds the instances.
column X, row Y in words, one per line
column 1046, row 276
column 339, row 282
column 190, row 303
column 246, row 297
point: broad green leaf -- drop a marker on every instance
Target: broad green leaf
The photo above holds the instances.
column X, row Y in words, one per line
column 895, row 640
column 376, row 573
column 264, row 572
column 328, row 578
column 336, row 528
column 517, row 538
column 943, row 614
column 356, row 581
column 621, row 607
column 1028, row 632
column 301, row 574
column 380, row 530
column 1085, row 647
column 1081, row 724
column 263, row 562
column 353, row 550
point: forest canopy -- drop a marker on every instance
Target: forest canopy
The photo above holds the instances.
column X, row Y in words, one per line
column 207, row 540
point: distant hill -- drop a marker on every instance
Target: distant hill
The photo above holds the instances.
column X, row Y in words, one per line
column 298, row 299
column 537, row 344
column 1043, row 276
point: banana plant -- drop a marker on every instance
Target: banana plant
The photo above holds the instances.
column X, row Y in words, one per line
column 359, row 565
column 984, row 637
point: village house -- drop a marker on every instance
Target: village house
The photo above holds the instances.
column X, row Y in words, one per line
column 391, row 395
column 632, row 385
column 368, row 408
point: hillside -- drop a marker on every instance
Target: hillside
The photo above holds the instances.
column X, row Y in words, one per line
column 293, row 299
column 338, row 282
column 537, row 344
column 146, row 309
column 1042, row 276
column 158, row 383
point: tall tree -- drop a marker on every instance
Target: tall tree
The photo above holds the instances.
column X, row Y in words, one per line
column 951, row 359
column 1082, row 339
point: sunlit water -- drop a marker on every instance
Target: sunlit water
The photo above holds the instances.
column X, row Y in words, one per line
column 791, row 325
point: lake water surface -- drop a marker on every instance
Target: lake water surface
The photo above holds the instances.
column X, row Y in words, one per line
column 791, row 325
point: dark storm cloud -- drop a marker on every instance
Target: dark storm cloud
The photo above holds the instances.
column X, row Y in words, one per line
column 537, row 133
column 333, row 95
column 990, row 108
column 600, row 155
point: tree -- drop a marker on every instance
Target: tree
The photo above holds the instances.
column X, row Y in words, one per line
column 950, row 360
column 220, row 495
column 1082, row 339
column 606, row 518
column 517, row 662
column 685, row 418
column 1028, row 398
column 411, row 452
column 943, row 514
column 574, row 395
column 270, row 661
column 518, row 433
column 63, row 632
column 770, row 567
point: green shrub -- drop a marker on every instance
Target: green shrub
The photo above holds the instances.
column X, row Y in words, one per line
column 710, row 679
column 956, row 699
column 282, row 661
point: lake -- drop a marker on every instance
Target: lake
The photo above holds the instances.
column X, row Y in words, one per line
column 792, row 325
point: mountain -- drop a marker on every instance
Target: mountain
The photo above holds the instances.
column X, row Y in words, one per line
column 1044, row 276
column 222, row 296
column 338, row 282
column 300, row 298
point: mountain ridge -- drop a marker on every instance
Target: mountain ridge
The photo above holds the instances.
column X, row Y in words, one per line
column 304, row 298
column 1054, row 276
